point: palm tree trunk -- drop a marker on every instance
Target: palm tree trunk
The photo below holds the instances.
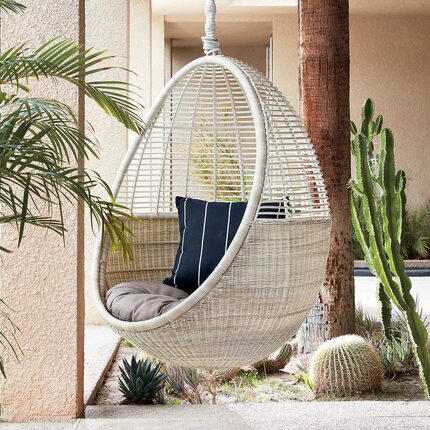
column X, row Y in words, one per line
column 324, row 104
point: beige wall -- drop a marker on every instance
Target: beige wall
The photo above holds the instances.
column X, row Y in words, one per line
column 140, row 46
column 254, row 55
column 390, row 62
column 43, row 280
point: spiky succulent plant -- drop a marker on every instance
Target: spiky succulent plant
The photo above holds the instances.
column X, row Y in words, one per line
column 141, row 381
column 346, row 365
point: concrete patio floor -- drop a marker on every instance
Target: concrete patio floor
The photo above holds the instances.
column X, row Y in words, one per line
column 263, row 416
column 102, row 343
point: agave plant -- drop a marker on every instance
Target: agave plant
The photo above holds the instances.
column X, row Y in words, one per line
column 43, row 144
column 141, row 381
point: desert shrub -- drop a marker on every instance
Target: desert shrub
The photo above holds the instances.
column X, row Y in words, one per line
column 416, row 234
column 397, row 352
column 186, row 383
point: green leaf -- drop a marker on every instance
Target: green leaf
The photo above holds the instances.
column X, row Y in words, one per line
column 422, row 246
column 24, row 209
column 12, row 6
column 2, row 368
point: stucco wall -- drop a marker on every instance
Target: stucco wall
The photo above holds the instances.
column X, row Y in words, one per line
column 131, row 44
column 390, row 62
column 42, row 281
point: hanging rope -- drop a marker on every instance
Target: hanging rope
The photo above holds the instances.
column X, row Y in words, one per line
column 210, row 42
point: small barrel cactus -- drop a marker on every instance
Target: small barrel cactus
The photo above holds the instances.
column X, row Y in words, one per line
column 277, row 363
column 346, row 365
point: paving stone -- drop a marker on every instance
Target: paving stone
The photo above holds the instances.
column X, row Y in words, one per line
column 365, row 415
column 335, row 415
column 160, row 417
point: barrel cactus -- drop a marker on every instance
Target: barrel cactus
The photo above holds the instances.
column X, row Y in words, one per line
column 346, row 365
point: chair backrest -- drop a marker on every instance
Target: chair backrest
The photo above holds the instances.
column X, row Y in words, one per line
column 154, row 245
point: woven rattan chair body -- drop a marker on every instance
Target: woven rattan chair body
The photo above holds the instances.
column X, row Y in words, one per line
column 221, row 131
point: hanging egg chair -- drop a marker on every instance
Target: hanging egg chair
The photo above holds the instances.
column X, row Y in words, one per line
column 220, row 131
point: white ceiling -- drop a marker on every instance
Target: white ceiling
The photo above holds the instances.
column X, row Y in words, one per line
column 194, row 9
column 197, row 7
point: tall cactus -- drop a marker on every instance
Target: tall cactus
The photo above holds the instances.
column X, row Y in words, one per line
column 371, row 128
column 380, row 233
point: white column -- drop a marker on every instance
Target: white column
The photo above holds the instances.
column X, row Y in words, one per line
column 158, row 55
column 140, row 48
column 140, row 54
column 101, row 17
column 285, row 57
column 43, row 281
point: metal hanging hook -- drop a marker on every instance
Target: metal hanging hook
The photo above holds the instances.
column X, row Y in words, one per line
column 210, row 42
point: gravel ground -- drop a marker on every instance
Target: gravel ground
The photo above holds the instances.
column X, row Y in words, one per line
column 280, row 387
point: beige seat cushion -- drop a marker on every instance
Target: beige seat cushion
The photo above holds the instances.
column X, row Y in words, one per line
column 142, row 300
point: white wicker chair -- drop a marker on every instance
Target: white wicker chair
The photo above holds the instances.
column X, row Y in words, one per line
column 221, row 131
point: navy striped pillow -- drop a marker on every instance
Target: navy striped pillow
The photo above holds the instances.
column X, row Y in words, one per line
column 206, row 231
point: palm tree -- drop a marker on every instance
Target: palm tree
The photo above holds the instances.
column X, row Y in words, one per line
column 42, row 144
column 324, row 101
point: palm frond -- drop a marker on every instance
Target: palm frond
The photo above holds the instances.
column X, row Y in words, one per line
column 422, row 246
column 8, row 335
column 50, row 123
column 38, row 140
column 12, row 6
column 48, row 189
column 66, row 60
